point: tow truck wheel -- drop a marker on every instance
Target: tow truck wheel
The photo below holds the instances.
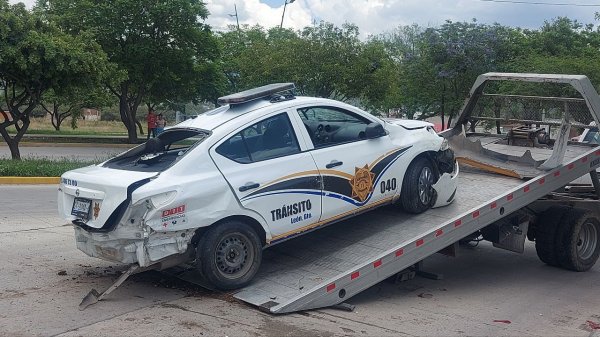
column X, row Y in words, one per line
column 578, row 240
column 229, row 254
column 545, row 232
column 417, row 193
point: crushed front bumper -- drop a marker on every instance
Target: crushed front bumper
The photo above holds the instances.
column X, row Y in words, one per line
column 447, row 184
column 142, row 248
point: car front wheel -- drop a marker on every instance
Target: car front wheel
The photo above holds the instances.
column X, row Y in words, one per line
column 417, row 194
column 229, row 255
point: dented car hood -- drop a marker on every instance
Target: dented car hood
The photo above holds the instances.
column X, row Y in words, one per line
column 408, row 123
column 106, row 188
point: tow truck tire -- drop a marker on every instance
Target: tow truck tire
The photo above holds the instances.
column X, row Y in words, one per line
column 578, row 240
column 229, row 254
column 545, row 234
column 417, row 194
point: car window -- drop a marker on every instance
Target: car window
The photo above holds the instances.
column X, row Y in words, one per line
column 267, row 139
column 158, row 154
column 592, row 137
column 328, row 126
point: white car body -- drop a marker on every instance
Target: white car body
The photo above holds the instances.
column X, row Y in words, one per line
column 146, row 216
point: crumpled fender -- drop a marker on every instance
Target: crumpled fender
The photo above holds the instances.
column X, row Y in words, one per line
column 446, row 187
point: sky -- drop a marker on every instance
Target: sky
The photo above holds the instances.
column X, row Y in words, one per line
column 378, row 16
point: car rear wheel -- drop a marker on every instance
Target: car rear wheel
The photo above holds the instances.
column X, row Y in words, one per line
column 229, row 254
column 418, row 194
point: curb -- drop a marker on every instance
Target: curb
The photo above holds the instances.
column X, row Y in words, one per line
column 29, row 180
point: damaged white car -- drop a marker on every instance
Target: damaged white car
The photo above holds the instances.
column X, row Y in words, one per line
column 263, row 168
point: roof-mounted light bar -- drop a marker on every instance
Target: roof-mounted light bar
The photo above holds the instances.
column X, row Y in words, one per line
column 256, row 93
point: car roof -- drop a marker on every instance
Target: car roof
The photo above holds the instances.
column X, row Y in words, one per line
column 212, row 119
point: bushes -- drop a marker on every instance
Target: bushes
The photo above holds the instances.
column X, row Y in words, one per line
column 38, row 167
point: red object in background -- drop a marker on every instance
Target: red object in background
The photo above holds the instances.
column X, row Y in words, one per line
column 438, row 127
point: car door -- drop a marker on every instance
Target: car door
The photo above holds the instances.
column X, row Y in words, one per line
column 271, row 174
column 355, row 170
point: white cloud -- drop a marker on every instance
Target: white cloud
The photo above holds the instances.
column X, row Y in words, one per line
column 376, row 16
column 252, row 12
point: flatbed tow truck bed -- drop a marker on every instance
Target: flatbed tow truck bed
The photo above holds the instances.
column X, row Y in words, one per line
column 294, row 268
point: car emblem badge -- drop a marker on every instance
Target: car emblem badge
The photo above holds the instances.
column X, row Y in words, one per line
column 362, row 182
column 96, row 210
column 77, row 192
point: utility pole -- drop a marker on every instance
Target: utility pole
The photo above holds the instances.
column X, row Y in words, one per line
column 236, row 17
column 284, row 5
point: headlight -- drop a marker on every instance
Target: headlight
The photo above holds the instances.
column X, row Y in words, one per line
column 445, row 146
column 162, row 199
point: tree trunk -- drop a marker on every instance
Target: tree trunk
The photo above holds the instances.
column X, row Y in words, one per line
column 13, row 144
column 55, row 123
column 450, row 119
column 139, row 126
column 126, row 116
column 443, row 107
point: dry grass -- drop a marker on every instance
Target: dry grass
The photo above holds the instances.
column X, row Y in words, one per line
column 43, row 125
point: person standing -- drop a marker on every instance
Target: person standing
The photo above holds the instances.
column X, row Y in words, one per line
column 151, row 119
column 160, row 124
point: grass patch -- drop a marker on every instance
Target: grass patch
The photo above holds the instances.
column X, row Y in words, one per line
column 38, row 167
column 84, row 127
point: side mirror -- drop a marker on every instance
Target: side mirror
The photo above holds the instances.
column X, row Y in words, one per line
column 374, row 130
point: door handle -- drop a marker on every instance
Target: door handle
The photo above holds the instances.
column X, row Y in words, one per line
column 334, row 163
column 248, row 186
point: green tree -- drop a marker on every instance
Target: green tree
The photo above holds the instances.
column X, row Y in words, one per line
column 162, row 47
column 62, row 103
column 36, row 57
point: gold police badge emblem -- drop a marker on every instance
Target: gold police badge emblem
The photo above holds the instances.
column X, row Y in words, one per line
column 362, row 182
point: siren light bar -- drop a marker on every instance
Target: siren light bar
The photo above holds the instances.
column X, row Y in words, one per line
column 256, row 93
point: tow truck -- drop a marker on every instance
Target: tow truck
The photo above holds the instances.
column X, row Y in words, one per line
column 513, row 186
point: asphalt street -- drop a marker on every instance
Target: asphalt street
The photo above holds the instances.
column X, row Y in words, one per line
column 485, row 291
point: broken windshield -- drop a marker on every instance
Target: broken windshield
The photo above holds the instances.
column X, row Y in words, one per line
column 158, row 154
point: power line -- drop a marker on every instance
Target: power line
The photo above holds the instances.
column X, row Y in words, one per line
column 542, row 3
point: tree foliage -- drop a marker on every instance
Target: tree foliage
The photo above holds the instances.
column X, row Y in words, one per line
column 36, row 57
column 162, row 48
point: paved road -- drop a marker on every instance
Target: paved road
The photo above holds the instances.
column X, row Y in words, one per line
column 84, row 153
column 44, row 278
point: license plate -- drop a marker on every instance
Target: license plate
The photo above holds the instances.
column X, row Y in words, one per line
column 81, row 208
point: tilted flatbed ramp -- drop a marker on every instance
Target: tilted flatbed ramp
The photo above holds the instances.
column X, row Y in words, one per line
column 329, row 266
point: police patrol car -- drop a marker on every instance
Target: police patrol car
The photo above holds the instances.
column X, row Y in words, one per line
column 263, row 168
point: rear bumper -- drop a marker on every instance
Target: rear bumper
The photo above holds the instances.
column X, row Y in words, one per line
column 141, row 248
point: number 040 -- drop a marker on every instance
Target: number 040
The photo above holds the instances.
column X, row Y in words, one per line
column 388, row 185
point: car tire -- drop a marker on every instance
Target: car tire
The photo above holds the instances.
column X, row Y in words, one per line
column 578, row 240
column 229, row 254
column 417, row 194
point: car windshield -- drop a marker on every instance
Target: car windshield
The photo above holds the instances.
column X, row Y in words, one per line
column 592, row 137
column 158, row 154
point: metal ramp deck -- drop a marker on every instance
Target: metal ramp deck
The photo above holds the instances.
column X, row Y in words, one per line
column 330, row 265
